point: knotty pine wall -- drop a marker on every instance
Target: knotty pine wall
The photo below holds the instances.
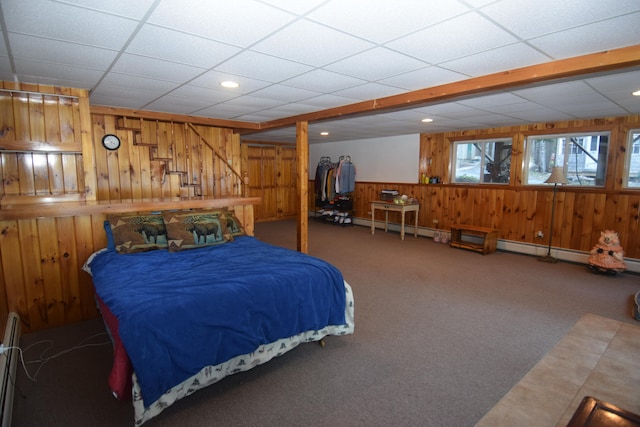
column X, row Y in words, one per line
column 516, row 210
column 51, row 150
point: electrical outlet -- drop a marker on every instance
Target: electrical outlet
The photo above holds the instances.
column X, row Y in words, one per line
column 435, row 221
column 540, row 234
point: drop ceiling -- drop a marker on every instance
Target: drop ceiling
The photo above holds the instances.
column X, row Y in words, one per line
column 295, row 57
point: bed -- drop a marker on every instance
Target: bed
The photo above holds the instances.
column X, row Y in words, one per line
column 186, row 310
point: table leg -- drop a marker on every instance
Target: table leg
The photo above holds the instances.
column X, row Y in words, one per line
column 373, row 220
column 386, row 220
column 402, row 227
column 415, row 226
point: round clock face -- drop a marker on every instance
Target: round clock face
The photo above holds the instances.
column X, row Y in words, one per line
column 111, row 142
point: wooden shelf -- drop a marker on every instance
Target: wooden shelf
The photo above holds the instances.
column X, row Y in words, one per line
column 65, row 208
column 488, row 238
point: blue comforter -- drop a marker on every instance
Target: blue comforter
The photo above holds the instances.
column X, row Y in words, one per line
column 179, row 312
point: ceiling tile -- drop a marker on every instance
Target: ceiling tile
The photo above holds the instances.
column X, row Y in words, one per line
column 56, row 74
column 368, row 90
column 212, row 80
column 329, row 101
column 63, row 22
column 210, row 96
column 263, row 67
column 127, row 81
column 285, row 93
column 168, row 45
column 323, row 81
column 451, row 39
column 220, row 20
column 378, row 20
column 127, row 8
column 310, row 43
column 156, row 69
column 59, row 52
column 122, row 97
column 179, row 104
column 423, row 78
column 554, row 16
column 601, row 36
column 623, row 81
column 376, row 64
column 505, row 58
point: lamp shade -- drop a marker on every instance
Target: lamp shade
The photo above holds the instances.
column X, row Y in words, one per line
column 557, row 176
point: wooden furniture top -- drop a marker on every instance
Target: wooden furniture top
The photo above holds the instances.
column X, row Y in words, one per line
column 11, row 208
column 472, row 228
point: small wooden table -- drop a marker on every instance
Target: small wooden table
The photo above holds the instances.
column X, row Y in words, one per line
column 396, row 207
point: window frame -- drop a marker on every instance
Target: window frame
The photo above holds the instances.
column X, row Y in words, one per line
column 566, row 150
column 483, row 142
column 629, row 157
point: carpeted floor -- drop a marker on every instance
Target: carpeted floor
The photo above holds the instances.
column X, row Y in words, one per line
column 442, row 335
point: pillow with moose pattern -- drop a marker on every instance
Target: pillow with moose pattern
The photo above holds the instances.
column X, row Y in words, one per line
column 233, row 224
column 137, row 232
column 195, row 230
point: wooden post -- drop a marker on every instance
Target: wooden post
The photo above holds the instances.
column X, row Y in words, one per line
column 302, row 150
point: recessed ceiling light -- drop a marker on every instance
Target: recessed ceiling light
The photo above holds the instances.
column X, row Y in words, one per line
column 325, row 133
column 427, row 120
column 636, row 93
column 229, row 84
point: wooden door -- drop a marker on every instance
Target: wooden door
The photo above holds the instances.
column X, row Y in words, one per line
column 272, row 176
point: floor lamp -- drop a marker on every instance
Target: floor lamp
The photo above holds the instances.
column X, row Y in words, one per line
column 556, row 177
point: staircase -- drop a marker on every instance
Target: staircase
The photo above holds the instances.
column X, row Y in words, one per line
column 164, row 161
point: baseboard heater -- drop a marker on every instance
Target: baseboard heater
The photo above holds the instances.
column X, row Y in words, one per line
column 8, row 366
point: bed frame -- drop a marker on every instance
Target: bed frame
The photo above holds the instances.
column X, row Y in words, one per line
column 243, row 209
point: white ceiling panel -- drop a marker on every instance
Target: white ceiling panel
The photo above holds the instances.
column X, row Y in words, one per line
column 286, row 93
column 516, row 55
column 311, row 43
column 264, row 67
column 423, row 78
column 458, row 37
column 295, row 57
column 363, row 92
column 238, row 22
column 528, row 20
column 59, row 52
column 59, row 21
column 376, row 64
column 324, row 81
column 155, row 69
column 600, row 36
column 377, row 20
column 168, row 45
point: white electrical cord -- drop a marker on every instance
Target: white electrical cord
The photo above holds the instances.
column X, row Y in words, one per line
column 42, row 359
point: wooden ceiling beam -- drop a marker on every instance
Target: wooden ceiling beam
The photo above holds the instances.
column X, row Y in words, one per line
column 179, row 118
column 615, row 59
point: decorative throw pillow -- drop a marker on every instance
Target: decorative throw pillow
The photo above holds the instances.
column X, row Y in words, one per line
column 190, row 230
column 137, row 232
column 233, row 224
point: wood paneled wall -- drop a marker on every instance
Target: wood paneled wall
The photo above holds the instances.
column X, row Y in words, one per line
column 518, row 211
column 159, row 159
column 51, row 151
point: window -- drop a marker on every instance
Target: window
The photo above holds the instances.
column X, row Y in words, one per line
column 632, row 170
column 583, row 157
column 486, row 161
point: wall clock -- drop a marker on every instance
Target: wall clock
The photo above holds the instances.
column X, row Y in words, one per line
column 111, row 141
